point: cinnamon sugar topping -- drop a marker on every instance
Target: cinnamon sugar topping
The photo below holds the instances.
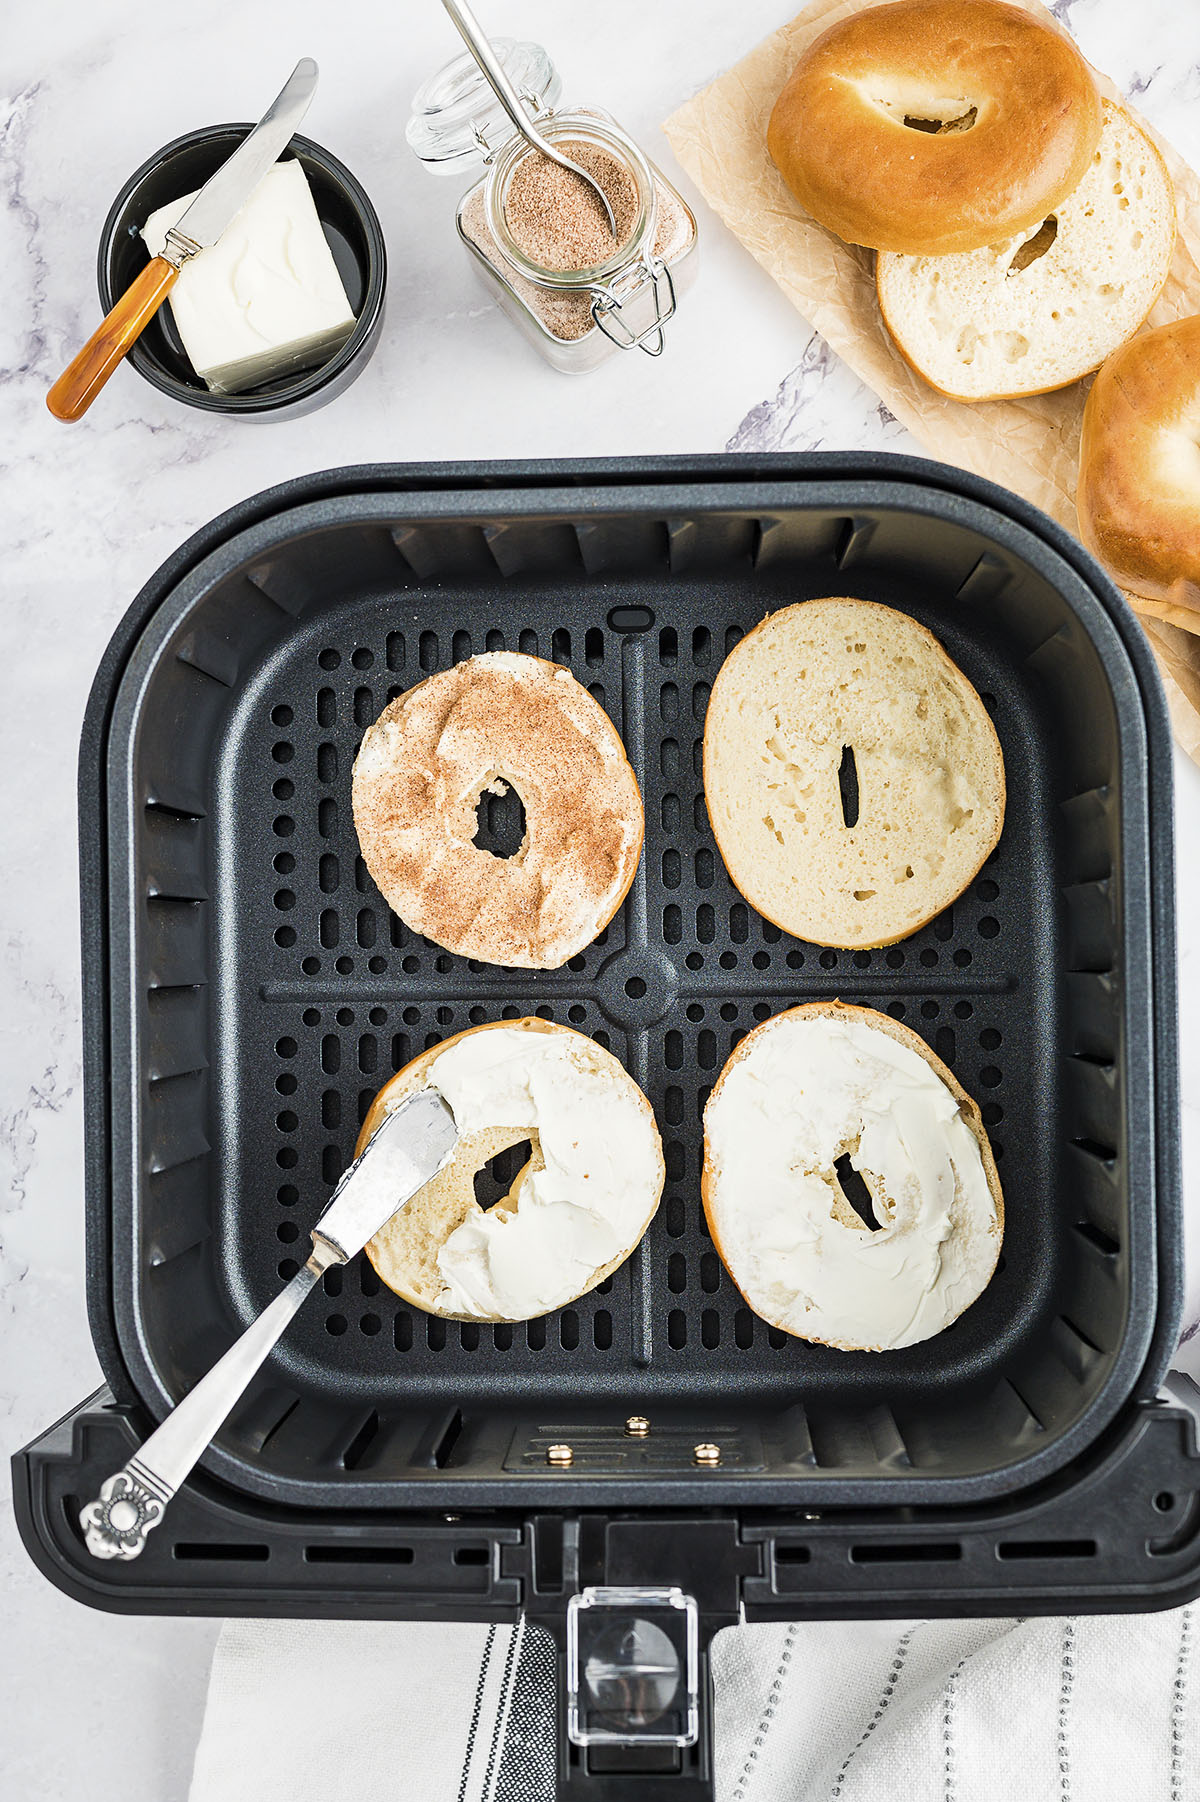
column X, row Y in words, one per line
column 557, row 220
column 417, row 782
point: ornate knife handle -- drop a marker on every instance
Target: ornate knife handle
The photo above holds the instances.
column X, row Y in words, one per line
column 133, row 1500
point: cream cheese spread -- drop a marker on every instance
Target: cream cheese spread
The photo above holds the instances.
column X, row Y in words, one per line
column 807, row 1090
column 590, row 1203
column 266, row 297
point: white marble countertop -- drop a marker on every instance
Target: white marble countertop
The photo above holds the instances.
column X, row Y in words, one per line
column 103, row 1707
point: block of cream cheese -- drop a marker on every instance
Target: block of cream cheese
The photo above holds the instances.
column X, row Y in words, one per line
column 267, row 297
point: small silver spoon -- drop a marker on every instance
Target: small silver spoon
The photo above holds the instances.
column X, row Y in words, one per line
column 510, row 100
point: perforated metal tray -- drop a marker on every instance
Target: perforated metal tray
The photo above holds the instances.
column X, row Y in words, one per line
column 255, row 991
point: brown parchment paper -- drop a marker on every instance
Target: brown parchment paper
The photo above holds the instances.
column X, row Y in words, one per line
column 1030, row 446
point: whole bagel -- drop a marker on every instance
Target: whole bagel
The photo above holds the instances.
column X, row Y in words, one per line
column 808, row 1100
column 1139, row 464
column 575, row 1210
column 490, row 723
column 931, row 126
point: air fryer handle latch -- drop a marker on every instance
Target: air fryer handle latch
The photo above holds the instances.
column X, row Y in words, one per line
column 634, row 1693
column 633, row 1667
column 632, row 1603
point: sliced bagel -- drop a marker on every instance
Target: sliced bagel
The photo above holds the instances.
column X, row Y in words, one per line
column 576, row 1209
column 1038, row 310
column 821, row 683
column 808, row 1098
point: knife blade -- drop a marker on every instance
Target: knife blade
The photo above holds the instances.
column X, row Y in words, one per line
column 222, row 196
column 403, row 1154
column 409, row 1149
column 226, row 193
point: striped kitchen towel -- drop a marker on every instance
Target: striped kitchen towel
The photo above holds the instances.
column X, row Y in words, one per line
column 1040, row 1710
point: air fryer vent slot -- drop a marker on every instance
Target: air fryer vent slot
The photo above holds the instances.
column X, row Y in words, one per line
column 1047, row 1548
column 219, row 1552
column 358, row 1554
column 916, row 1551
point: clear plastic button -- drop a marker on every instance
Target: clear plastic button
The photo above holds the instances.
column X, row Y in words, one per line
column 633, row 1667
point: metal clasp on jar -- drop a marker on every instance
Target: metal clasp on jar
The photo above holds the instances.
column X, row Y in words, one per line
column 615, row 306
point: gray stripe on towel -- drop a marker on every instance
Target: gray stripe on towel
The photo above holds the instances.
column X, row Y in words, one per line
column 881, row 1708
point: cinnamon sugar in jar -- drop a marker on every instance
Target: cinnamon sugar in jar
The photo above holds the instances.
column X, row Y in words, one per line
column 536, row 231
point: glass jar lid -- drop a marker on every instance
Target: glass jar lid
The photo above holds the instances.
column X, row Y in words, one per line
column 457, row 120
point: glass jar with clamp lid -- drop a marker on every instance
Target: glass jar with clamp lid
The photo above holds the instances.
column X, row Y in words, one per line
column 579, row 290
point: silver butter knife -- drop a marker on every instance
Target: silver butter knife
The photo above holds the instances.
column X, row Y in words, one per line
column 222, row 196
column 411, row 1146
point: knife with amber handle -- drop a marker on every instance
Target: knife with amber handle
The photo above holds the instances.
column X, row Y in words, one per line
column 222, row 196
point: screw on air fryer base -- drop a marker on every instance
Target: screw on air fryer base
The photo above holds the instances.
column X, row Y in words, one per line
column 559, row 1454
column 706, row 1454
column 637, row 1426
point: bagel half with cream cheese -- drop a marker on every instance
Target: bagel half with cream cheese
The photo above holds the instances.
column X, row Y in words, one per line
column 1139, row 465
column 810, row 1100
column 931, row 126
column 577, row 1208
column 491, row 723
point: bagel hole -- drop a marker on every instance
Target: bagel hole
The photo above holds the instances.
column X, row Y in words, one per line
column 1034, row 247
column 848, row 784
column 909, row 103
column 854, row 1188
column 494, row 1180
column 500, row 819
column 940, row 127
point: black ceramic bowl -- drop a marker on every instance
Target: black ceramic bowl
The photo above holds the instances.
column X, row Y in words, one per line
column 352, row 231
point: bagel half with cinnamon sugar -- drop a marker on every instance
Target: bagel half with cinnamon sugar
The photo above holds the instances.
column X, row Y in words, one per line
column 494, row 722
column 930, row 126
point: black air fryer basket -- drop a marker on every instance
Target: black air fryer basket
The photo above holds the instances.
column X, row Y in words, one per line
column 247, row 992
